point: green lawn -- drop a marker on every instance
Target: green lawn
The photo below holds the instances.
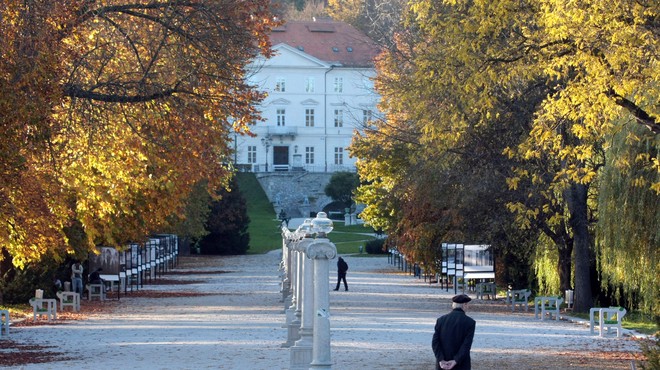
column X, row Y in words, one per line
column 264, row 229
column 348, row 239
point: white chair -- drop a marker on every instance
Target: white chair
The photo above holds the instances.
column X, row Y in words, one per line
column 519, row 297
column 489, row 289
column 548, row 305
column 96, row 291
column 611, row 318
column 42, row 306
column 69, row 299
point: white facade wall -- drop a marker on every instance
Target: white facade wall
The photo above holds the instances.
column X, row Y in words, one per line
column 286, row 140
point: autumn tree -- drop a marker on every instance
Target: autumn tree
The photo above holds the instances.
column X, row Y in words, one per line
column 378, row 19
column 424, row 191
column 466, row 65
column 112, row 111
column 309, row 10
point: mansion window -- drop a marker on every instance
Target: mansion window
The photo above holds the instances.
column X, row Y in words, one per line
column 309, row 84
column 309, row 155
column 339, row 118
column 280, row 84
column 367, row 116
column 252, row 154
column 281, row 117
column 339, row 156
column 309, row 117
column 339, row 85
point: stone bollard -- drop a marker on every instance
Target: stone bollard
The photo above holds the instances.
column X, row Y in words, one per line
column 292, row 326
column 321, row 251
column 287, row 239
column 301, row 352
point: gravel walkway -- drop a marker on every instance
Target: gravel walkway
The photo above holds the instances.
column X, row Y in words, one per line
column 225, row 313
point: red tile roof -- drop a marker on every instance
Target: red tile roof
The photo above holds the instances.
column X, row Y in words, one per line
column 329, row 41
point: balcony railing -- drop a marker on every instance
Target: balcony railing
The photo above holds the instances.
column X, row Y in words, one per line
column 283, row 131
column 287, row 167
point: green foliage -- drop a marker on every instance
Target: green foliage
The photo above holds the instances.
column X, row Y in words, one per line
column 545, row 267
column 341, row 187
column 628, row 231
column 18, row 285
column 227, row 224
column 375, row 246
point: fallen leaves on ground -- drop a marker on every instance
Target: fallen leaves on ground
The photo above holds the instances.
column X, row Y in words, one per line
column 13, row 353
column 20, row 354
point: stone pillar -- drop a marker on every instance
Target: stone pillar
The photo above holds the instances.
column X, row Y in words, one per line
column 301, row 352
column 294, row 326
column 284, row 266
column 321, row 251
column 300, row 257
column 291, row 325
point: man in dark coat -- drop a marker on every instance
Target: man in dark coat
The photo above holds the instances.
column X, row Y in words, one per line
column 453, row 336
column 342, row 267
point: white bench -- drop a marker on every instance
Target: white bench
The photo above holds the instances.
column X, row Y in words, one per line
column 69, row 299
column 518, row 297
column 607, row 318
column 4, row 322
column 489, row 289
column 96, row 291
column 110, row 280
column 547, row 305
column 43, row 306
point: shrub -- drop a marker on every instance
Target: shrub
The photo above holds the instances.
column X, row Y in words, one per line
column 375, row 246
column 227, row 225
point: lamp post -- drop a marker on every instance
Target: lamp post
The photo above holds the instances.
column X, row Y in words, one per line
column 267, row 142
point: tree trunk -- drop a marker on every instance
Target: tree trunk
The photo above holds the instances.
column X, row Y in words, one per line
column 576, row 196
column 564, row 264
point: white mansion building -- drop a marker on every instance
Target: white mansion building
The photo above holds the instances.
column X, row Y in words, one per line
column 319, row 92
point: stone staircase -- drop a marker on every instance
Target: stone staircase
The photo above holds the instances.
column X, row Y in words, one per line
column 294, row 192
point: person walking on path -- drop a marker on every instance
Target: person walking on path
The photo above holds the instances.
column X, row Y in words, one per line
column 342, row 267
column 453, row 337
column 76, row 278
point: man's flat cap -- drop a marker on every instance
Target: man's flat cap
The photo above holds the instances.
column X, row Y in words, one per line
column 461, row 298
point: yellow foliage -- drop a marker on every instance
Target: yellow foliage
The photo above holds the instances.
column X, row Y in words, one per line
column 107, row 121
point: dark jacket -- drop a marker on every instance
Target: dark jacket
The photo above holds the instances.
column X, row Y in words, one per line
column 342, row 266
column 452, row 339
column 95, row 277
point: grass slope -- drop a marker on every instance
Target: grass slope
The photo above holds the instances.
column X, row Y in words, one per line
column 264, row 227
